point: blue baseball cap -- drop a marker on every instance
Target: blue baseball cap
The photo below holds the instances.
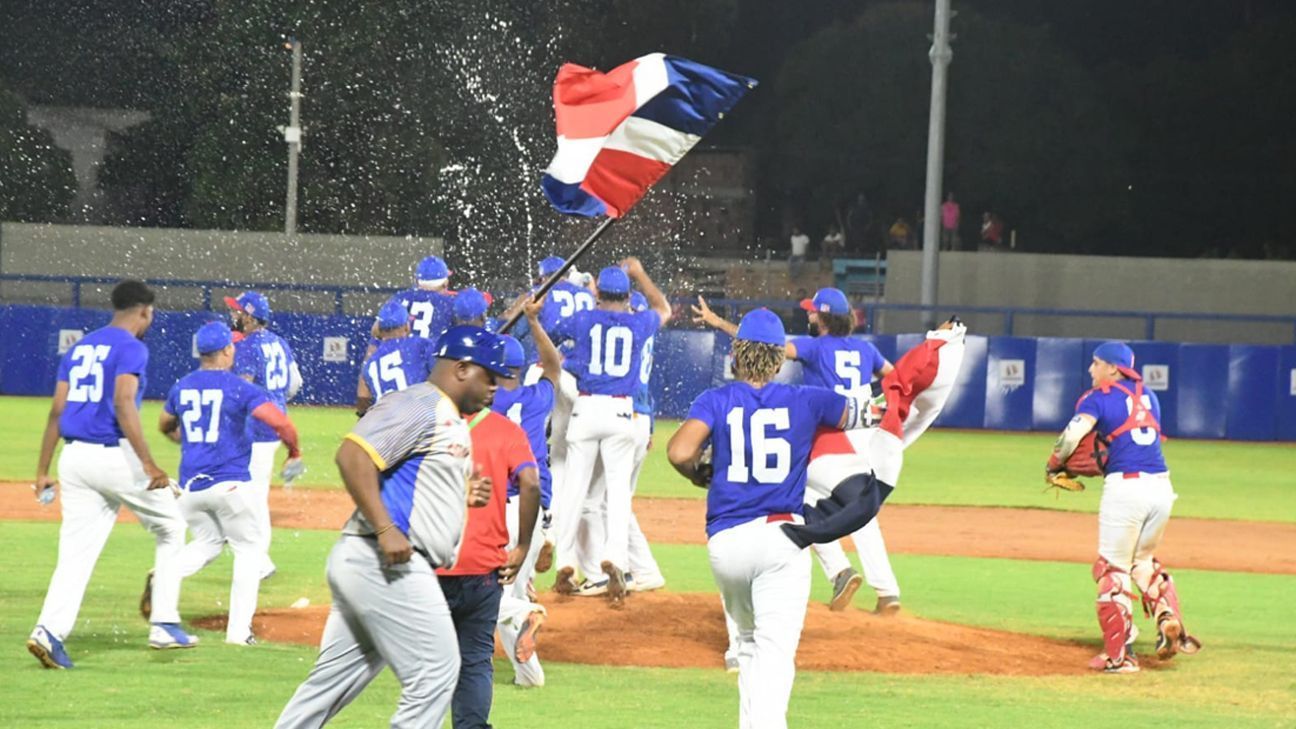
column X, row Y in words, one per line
column 392, row 315
column 551, row 264
column 762, row 325
column 213, row 337
column 827, row 301
column 613, row 280
column 431, row 268
column 470, row 304
column 638, row 302
column 514, row 355
column 251, row 303
column 466, row 343
column 1120, row 355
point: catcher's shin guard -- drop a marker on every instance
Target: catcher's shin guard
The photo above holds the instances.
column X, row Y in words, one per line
column 1161, row 602
column 1115, row 609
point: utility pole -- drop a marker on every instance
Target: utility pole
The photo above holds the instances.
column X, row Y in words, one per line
column 293, row 136
column 940, row 55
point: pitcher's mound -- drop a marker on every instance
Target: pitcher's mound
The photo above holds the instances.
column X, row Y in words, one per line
column 688, row 630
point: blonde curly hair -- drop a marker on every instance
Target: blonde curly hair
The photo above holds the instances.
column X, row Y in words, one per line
column 756, row 361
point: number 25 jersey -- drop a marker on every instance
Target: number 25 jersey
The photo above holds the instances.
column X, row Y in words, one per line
column 760, row 447
column 91, row 368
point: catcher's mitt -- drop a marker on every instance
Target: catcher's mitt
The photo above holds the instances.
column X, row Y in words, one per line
column 1087, row 460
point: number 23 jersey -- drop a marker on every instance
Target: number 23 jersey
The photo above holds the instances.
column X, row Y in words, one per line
column 760, row 446
column 266, row 358
column 214, row 407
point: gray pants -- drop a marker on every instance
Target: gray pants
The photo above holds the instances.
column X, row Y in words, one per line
column 381, row 617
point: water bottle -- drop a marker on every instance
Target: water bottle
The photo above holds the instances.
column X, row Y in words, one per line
column 46, row 496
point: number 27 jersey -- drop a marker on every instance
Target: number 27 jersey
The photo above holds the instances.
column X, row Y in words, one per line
column 214, row 407
column 760, row 447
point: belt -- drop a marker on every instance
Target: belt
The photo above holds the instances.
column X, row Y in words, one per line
column 599, row 394
column 772, row 518
column 90, row 442
column 1131, row 475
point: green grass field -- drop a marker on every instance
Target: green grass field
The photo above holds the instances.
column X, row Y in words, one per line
column 1246, row 676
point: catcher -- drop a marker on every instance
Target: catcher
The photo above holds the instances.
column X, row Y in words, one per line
column 1116, row 432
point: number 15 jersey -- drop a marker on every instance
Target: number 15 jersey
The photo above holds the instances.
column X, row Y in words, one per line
column 760, row 447
column 608, row 349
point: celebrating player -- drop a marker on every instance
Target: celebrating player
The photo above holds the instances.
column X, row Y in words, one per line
column 214, row 406
column 1135, row 508
column 429, row 302
column 606, row 361
column 399, row 360
column 404, row 464
column 760, row 433
column 470, row 307
column 263, row 358
column 833, row 359
column 106, row 463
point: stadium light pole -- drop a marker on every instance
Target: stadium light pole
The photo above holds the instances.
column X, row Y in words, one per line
column 293, row 136
column 940, row 56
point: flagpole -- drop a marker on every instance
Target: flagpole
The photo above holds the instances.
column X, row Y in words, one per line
column 561, row 272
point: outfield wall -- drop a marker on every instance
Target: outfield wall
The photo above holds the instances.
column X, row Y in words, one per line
column 1243, row 392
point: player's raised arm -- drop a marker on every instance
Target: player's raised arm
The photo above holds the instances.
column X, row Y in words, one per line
column 702, row 314
column 656, row 299
column 49, row 438
column 550, row 358
column 128, row 419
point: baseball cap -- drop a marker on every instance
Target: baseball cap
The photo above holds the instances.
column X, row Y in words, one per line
column 213, row 337
column 470, row 304
column 250, row 302
column 1120, row 355
column 466, row 343
column 392, row 315
column 762, row 325
column 514, row 355
column 613, row 280
column 551, row 264
column 432, row 268
column 827, row 301
column 638, row 302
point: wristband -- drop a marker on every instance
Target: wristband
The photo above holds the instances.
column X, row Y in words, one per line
column 387, row 528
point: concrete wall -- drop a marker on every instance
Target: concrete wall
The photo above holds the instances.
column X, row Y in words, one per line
column 205, row 255
column 1032, row 280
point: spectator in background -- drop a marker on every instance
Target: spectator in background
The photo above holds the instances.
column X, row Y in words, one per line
column 832, row 246
column 950, row 215
column 800, row 242
column 901, row 235
column 991, row 232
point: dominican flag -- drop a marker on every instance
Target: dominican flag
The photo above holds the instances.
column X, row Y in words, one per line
column 620, row 131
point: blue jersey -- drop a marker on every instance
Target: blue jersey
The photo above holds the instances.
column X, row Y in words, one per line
column 1138, row 449
column 561, row 303
column 837, row 363
column 760, row 447
column 430, row 311
column 266, row 359
column 608, row 350
column 643, row 399
column 91, row 368
column 397, row 364
column 214, row 407
column 529, row 406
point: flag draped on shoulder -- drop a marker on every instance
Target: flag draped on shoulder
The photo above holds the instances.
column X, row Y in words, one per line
column 619, row 132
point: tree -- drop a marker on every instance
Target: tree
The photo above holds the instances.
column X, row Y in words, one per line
column 36, row 180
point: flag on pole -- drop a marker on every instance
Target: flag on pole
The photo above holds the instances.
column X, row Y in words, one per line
column 621, row 131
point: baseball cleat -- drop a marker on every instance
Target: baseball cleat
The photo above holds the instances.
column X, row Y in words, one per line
column 1169, row 634
column 887, row 606
column 592, row 588
column 565, row 581
column 1128, row 665
column 544, row 560
column 146, row 597
column 526, row 640
column 844, row 586
column 616, row 584
column 250, row 640
column 646, row 584
column 48, row 649
column 731, row 664
column 163, row 636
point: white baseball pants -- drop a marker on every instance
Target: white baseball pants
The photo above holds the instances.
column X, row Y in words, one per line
column 226, row 512
column 592, row 532
column 1132, row 518
column 261, row 468
column 515, row 607
column 764, row 580
column 95, row 481
column 601, row 427
column 822, row 475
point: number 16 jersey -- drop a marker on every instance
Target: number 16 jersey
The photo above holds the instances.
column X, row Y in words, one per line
column 760, row 447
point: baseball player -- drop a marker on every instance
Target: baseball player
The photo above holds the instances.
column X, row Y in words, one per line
column 263, row 358
column 398, row 361
column 429, row 302
column 214, row 405
column 833, row 359
column 106, row 463
column 470, row 307
column 760, row 434
column 1135, row 508
column 606, row 361
column 408, row 466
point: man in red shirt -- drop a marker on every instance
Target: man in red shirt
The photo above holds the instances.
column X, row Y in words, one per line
column 472, row 587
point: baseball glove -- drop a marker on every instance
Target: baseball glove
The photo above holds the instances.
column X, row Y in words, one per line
column 1086, row 460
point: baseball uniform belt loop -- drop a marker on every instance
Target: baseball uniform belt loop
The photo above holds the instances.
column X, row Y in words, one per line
column 90, row 442
column 772, row 518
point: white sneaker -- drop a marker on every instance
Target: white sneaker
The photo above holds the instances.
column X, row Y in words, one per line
column 591, row 588
column 170, row 635
column 645, row 584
